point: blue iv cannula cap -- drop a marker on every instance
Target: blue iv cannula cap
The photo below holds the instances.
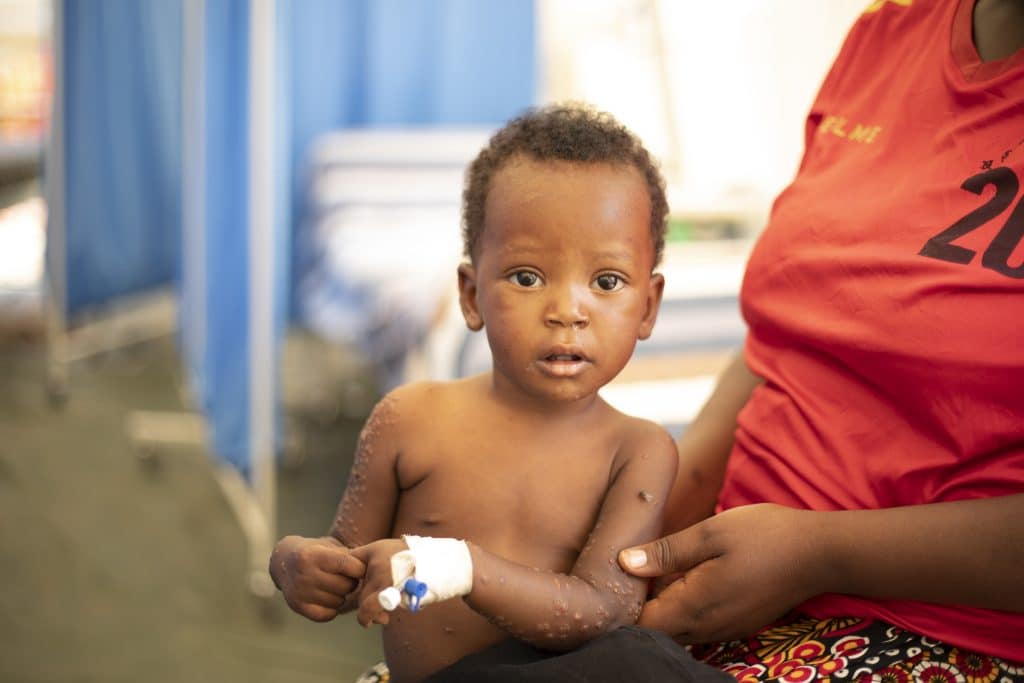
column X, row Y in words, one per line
column 416, row 590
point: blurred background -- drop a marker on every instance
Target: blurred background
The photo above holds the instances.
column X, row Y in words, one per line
column 227, row 226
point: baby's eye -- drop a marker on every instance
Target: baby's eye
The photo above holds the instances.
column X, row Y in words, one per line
column 525, row 278
column 608, row 282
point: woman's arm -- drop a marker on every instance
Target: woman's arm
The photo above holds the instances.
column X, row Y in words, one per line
column 963, row 553
column 751, row 564
column 317, row 575
column 560, row 611
column 705, row 445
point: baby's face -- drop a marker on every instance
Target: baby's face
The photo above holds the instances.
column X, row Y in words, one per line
column 562, row 279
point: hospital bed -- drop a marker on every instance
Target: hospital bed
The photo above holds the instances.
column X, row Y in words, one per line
column 380, row 243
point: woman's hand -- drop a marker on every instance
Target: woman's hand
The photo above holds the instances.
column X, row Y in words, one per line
column 316, row 575
column 740, row 570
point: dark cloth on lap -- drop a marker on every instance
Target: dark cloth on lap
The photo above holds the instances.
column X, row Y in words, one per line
column 630, row 653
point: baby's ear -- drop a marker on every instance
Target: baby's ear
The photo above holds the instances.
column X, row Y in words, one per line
column 655, row 288
column 467, row 297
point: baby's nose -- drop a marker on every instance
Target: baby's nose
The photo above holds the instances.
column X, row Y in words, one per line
column 567, row 311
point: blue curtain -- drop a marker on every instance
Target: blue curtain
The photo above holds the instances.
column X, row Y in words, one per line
column 376, row 63
column 340, row 63
column 224, row 383
column 121, row 60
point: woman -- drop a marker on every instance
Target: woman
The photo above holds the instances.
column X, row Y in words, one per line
column 867, row 451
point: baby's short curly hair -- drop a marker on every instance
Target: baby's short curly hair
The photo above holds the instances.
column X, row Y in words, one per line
column 566, row 132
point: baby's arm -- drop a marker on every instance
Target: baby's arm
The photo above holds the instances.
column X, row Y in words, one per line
column 558, row 611
column 317, row 575
column 367, row 507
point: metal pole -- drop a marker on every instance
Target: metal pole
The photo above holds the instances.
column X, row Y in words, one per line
column 262, row 360
column 193, row 188
column 56, row 232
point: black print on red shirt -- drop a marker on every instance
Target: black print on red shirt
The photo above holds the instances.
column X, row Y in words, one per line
column 987, row 163
column 997, row 255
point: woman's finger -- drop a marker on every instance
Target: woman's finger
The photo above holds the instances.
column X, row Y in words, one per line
column 677, row 552
column 669, row 612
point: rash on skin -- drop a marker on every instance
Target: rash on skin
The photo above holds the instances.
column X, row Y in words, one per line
column 575, row 609
column 384, row 415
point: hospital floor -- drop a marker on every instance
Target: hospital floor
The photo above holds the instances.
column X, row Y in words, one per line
column 113, row 571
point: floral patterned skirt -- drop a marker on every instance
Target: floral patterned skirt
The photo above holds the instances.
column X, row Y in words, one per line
column 801, row 648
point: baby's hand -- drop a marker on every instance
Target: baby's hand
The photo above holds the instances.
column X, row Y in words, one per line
column 315, row 575
column 376, row 557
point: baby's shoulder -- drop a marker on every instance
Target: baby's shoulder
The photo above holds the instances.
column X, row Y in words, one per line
column 425, row 400
column 643, row 439
column 635, row 430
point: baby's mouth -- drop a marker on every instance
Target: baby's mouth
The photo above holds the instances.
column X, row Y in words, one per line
column 564, row 365
column 564, row 357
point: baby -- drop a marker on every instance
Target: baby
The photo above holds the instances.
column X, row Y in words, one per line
column 542, row 482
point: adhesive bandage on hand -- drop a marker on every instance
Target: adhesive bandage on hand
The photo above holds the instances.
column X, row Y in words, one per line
column 431, row 570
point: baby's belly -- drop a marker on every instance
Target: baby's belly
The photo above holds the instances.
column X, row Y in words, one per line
column 418, row 644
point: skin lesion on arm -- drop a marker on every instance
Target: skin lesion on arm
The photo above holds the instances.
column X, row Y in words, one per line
column 561, row 611
column 366, row 509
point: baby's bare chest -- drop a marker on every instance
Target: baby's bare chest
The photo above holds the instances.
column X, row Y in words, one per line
column 534, row 501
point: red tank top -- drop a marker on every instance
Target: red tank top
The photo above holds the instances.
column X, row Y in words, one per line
column 885, row 298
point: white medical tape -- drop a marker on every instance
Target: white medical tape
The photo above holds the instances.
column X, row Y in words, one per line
column 444, row 564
